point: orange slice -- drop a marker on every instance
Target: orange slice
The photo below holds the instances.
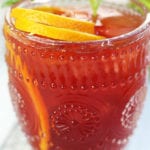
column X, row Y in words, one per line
column 53, row 19
column 35, row 96
column 48, row 9
column 54, row 32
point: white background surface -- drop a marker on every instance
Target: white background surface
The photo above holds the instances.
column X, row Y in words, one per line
column 7, row 117
column 141, row 140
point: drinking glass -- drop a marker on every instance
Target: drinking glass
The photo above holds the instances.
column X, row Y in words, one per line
column 78, row 95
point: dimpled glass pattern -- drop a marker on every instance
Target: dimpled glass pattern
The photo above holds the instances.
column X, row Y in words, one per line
column 92, row 92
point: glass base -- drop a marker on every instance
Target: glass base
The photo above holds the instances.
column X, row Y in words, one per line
column 16, row 139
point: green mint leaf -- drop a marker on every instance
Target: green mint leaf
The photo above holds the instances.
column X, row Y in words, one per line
column 146, row 3
column 9, row 2
column 95, row 5
column 136, row 7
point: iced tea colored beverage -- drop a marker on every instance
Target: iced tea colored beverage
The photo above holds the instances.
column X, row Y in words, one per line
column 79, row 95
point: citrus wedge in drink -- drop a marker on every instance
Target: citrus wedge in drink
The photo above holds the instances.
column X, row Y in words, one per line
column 53, row 26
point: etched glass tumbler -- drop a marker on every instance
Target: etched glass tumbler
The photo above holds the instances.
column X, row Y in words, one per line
column 77, row 95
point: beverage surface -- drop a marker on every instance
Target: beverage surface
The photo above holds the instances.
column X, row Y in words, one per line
column 117, row 22
column 79, row 96
column 109, row 22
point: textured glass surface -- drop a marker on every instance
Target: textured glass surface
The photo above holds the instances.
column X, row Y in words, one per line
column 77, row 95
column 17, row 141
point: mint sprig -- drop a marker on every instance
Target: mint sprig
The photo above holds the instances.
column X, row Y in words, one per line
column 146, row 3
column 95, row 5
column 132, row 4
column 9, row 2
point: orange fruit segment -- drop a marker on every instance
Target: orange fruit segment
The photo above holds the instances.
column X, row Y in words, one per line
column 35, row 96
column 54, row 32
column 52, row 19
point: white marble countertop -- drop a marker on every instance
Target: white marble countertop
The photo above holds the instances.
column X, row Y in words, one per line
column 141, row 140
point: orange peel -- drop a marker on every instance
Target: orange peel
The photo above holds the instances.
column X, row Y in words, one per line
column 52, row 19
column 35, row 96
column 54, row 32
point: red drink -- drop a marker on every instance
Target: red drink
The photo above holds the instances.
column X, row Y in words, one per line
column 80, row 95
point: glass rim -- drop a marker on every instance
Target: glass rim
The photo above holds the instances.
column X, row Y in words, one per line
column 108, row 41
